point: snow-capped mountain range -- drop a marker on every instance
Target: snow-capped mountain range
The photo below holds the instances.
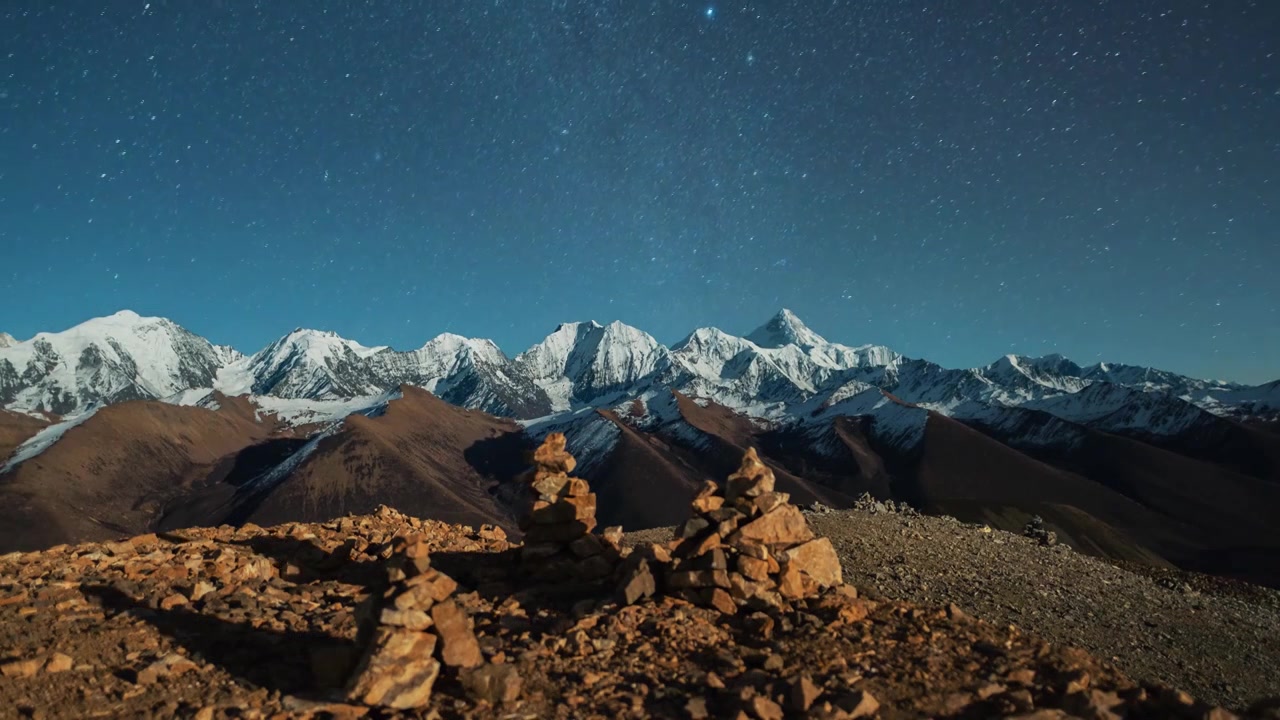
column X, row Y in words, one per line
column 783, row 372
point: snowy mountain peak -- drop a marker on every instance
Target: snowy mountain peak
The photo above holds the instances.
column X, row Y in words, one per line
column 786, row 329
column 318, row 344
column 711, row 341
column 453, row 344
column 304, row 363
column 109, row 359
column 581, row 361
column 7, row 340
column 574, row 327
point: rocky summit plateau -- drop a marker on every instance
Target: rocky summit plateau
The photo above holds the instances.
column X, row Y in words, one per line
column 389, row 615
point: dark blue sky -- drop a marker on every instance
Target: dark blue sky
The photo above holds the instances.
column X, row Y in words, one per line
column 956, row 179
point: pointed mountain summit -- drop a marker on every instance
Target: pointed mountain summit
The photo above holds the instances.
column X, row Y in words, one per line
column 584, row 361
column 7, row 340
column 316, row 364
column 470, row 372
column 786, row 329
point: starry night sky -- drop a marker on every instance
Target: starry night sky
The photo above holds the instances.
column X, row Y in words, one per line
column 956, row 179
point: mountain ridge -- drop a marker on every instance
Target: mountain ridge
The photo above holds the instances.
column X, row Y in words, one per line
column 777, row 372
column 319, row 425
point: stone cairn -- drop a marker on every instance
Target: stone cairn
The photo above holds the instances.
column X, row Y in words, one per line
column 559, row 518
column 407, row 628
column 745, row 545
column 1036, row 530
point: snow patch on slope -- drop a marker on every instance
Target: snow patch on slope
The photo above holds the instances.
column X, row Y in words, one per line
column 296, row 411
column 42, row 440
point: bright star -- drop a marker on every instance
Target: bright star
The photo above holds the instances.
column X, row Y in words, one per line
column 710, row 12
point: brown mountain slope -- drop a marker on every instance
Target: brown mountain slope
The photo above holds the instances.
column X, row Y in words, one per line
column 959, row 471
column 644, row 482
column 1246, row 448
column 422, row 454
column 729, row 434
column 1216, row 507
column 113, row 473
column 15, row 429
column 849, row 463
column 1111, row 496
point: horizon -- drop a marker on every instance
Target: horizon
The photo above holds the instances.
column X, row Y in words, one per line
column 955, row 183
column 668, row 344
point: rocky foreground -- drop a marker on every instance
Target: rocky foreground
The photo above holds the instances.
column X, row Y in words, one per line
column 743, row 612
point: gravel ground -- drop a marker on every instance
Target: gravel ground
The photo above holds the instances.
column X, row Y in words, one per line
column 1221, row 644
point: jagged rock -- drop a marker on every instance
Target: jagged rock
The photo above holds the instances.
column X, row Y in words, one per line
column 20, row 668
column 408, row 619
column 169, row 665
column 58, row 662
column 696, row 708
column 791, row 583
column 693, row 526
column 550, row 488
column 562, row 511
column 752, row 479
column 612, row 535
column 459, row 647
column 551, row 457
column 720, row 600
column 770, row 500
column 397, row 671
column 817, row 559
column 803, row 693
column 753, row 568
column 859, row 704
column 493, row 683
column 785, row 525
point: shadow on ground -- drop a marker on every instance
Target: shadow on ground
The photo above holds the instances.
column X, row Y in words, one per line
column 296, row 663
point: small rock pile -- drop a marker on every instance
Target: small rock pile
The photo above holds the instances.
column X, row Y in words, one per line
column 867, row 503
column 746, row 545
column 558, row 521
column 406, row 628
column 1035, row 530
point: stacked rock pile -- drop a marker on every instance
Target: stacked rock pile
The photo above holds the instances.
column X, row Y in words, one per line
column 867, row 503
column 746, row 545
column 407, row 628
column 1035, row 530
column 557, row 523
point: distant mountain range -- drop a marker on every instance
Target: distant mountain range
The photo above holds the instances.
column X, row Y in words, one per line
column 1123, row 461
column 781, row 371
